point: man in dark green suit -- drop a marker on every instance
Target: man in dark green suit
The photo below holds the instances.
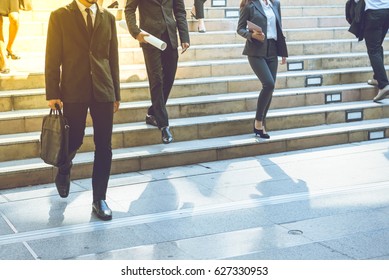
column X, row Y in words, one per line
column 161, row 18
column 82, row 72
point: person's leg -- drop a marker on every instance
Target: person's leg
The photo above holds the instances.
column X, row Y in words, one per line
column 376, row 27
column 169, row 60
column 102, row 117
column 13, row 31
column 153, row 63
column 198, row 13
column 75, row 114
column 1, row 29
column 265, row 74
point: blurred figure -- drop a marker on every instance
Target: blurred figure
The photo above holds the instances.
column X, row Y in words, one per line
column 376, row 25
column 10, row 9
column 263, row 45
column 198, row 13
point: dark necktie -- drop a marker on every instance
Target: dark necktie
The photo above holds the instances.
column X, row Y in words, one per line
column 89, row 24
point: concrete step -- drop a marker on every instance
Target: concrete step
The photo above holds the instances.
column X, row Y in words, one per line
column 200, row 51
column 44, row 4
column 21, row 120
column 218, row 31
column 26, row 145
column 135, row 91
column 217, row 12
column 34, row 171
column 213, row 68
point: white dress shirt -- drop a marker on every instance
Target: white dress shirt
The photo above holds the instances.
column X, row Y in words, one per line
column 375, row 4
column 271, row 20
column 93, row 9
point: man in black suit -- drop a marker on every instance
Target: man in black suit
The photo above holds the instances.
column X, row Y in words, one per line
column 82, row 72
column 161, row 18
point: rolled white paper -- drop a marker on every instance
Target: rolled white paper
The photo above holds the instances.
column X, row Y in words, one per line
column 151, row 39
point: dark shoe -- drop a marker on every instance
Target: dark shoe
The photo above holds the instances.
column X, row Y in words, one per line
column 167, row 136
column 114, row 5
column 101, row 209
column 260, row 133
column 151, row 120
column 12, row 55
column 201, row 30
column 62, row 182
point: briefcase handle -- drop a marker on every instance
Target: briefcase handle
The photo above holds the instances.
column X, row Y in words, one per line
column 58, row 110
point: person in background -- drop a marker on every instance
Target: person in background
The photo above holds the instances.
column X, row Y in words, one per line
column 376, row 25
column 81, row 74
column 161, row 19
column 10, row 9
column 262, row 48
column 197, row 12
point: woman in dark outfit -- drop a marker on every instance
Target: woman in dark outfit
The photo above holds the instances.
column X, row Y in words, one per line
column 262, row 49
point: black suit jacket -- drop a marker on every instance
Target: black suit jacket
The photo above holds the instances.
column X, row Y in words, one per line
column 76, row 69
column 255, row 13
column 157, row 16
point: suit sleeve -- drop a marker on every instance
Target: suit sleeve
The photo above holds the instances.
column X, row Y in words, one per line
column 182, row 24
column 114, row 60
column 53, row 59
column 130, row 14
column 242, row 30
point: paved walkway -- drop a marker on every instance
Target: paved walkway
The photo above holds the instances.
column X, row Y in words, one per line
column 328, row 203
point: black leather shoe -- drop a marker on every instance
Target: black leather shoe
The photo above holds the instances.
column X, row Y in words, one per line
column 62, row 182
column 101, row 209
column 151, row 120
column 167, row 136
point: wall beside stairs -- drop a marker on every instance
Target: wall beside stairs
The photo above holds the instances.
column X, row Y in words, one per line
column 213, row 101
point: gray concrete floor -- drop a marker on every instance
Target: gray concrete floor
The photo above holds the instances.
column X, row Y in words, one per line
column 330, row 203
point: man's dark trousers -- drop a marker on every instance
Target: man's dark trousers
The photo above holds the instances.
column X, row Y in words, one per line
column 102, row 118
column 161, row 71
column 376, row 27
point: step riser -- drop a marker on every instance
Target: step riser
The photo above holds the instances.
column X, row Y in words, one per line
column 133, row 138
column 129, row 115
column 79, row 171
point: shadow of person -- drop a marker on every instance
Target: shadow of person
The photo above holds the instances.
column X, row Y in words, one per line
column 283, row 188
column 157, row 196
column 56, row 212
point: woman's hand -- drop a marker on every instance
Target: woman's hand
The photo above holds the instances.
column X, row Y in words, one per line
column 283, row 60
column 258, row 35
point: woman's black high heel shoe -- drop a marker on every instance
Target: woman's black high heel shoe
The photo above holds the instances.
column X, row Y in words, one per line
column 260, row 133
column 12, row 55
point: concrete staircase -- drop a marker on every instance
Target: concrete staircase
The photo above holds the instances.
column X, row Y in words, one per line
column 321, row 96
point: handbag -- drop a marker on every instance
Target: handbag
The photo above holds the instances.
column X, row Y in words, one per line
column 25, row 5
column 54, row 138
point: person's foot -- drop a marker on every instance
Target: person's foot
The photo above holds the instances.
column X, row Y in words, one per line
column 12, row 55
column 5, row 71
column 101, row 210
column 372, row 82
column 62, row 182
column 201, row 28
column 167, row 136
column 151, row 120
column 193, row 12
column 382, row 93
